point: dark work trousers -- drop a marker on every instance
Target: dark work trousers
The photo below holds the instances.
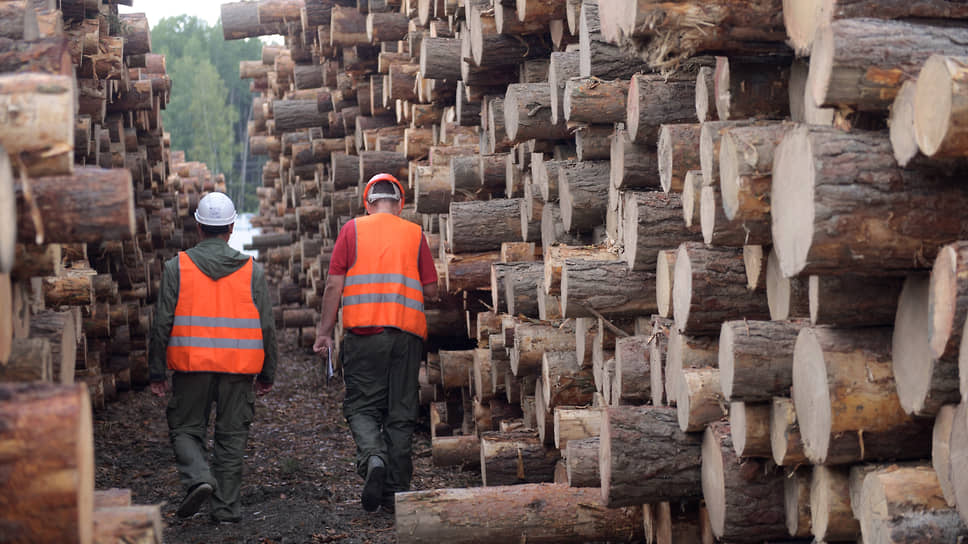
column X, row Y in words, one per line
column 188, row 413
column 381, row 403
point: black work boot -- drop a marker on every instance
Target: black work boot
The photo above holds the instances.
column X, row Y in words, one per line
column 373, row 486
column 194, row 499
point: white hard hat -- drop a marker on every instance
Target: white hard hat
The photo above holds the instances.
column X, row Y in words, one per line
column 215, row 210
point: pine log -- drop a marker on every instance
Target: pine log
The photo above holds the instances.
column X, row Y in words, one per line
column 469, row 271
column 848, row 411
column 378, row 162
column 699, row 399
column 607, row 287
column 32, row 260
column 756, row 359
column 905, row 504
column 814, row 163
column 48, row 433
column 746, row 172
column 527, row 113
column 41, row 134
column 347, row 27
column 939, row 108
column 451, row 451
column 941, row 451
column 291, row 115
column 493, row 172
column 752, row 89
column 104, row 498
column 947, row 302
column 29, row 360
column 489, row 47
column 583, row 193
column 456, row 368
column 462, row 513
column 925, row 382
column 664, row 278
column 572, row 423
column 750, row 428
column 483, row 225
column 598, row 57
column 785, row 440
column 74, row 288
column 581, row 458
column 48, row 55
column 6, row 318
column 545, row 175
column 788, row 298
column 633, row 380
column 686, row 352
column 133, row 523
column 440, row 58
column 531, row 341
column 523, row 290
column 563, row 66
column 796, row 495
column 856, row 61
column 432, row 189
column 653, row 101
column 632, row 165
column 59, row 329
column 646, row 458
column 705, row 93
column 593, row 100
column 553, row 230
column 744, row 497
column 564, row 381
column 594, row 142
column 710, row 287
column 831, row 516
column 904, row 141
column 497, row 135
column 515, row 457
column 853, row 301
column 678, row 154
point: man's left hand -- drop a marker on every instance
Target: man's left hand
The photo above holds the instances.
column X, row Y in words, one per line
column 262, row 388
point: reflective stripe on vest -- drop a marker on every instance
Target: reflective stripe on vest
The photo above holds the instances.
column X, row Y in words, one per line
column 382, row 288
column 216, row 326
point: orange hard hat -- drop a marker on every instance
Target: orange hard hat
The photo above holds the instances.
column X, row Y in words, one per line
column 399, row 195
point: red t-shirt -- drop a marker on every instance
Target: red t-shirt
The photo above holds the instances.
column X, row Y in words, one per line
column 344, row 254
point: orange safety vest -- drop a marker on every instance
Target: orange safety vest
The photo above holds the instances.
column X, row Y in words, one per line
column 217, row 327
column 382, row 288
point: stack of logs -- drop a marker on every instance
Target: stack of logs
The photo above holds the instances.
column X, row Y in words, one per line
column 599, row 175
column 93, row 201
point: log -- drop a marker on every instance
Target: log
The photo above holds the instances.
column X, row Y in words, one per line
column 563, row 66
column 653, row 101
column 744, row 497
column 29, row 361
column 74, row 288
column 607, row 287
column 573, row 424
column 831, row 516
column 938, row 107
column 59, row 329
column 594, row 142
column 483, row 225
column 664, row 277
column 489, row 47
column 469, row 271
column 527, row 113
column 456, row 366
column 855, row 61
column 710, row 287
column 440, row 58
column 522, row 289
column 291, row 115
column 32, row 260
column 593, row 100
column 530, row 343
column 705, row 93
column 752, row 89
column 564, row 381
column 449, row 451
column 347, row 27
column 853, row 301
column 646, row 458
column 598, row 57
column 41, row 134
column 581, row 458
column 840, row 403
column 657, row 357
column 378, row 162
column 756, row 359
column 904, row 504
column 632, row 165
column 719, row 230
column 48, row 55
column 924, row 381
column 583, row 194
column 49, row 435
column 750, row 428
column 746, row 172
column 432, row 189
column 133, row 523
column 788, row 298
column 904, row 141
column 545, row 176
column 785, row 440
column 104, row 498
column 386, row 26
column 514, row 458
column 502, row 514
column 947, row 302
column 699, row 399
column 869, row 186
column 6, row 318
column 686, row 352
column 941, row 451
column 678, row 154
column 497, row 136
column 796, row 495
column 633, row 379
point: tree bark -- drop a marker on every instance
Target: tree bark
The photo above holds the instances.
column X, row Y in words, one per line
column 59, row 329
column 752, row 89
column 678, row 154
column 710, row 287
column 573, row 424
column 633, row 370
column 646, row 458
column 531, row 341
column 746, row 172
column 686, row 352
column 632, row 165
column 788, row 298
column 756, row 359
column 654, row 101
column 556, row 255
column 583, row 194
column 469, row 271
column 347, row 27
column 41, row 133
column 664, row 280
column 581, row 457
column 29, row 360
column 750, row 428
column 607, row 287
column 593, row 100
column 527, row 113
column 514, row 458
column 565, row 383
column 132, row 523
column 563, row 66
column 47, row 55
column 432, row 189
column 455, row 368
column 491, row 48
column 292, row 115
column 598, row 57
column 386, row 26
column 483, row 225
column 502, row 514
column 744, row 497
column 796, row 495
column 855, row 61
column 594, row 142
column 52, row 427
column 785, row 439
column 853, row 300
column 449, row 451
column 873, row 194
column 440, row 58
column 522, row 286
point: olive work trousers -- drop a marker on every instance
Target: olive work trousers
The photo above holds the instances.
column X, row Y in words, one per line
column 193, row 394
column 381, row 403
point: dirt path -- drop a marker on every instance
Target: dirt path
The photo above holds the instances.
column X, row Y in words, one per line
column 299, row 486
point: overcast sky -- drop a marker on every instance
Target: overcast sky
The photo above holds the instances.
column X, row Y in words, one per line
column 209, row 10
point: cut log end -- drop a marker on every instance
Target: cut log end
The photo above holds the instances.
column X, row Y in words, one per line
column 901, row 122
column 913, row 364
column 933, row 105
column 729, row 175
column 777, row 289
column 811, row 396
column 682, row 288
column 713, row 481
column 727, row 363
column 792, row 201
column 821, row 66
column 801, row 18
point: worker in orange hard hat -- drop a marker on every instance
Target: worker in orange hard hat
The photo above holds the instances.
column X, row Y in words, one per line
column 382, row 271
column 214, row 328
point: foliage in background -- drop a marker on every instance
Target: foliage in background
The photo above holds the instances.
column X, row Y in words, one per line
column 209, row 109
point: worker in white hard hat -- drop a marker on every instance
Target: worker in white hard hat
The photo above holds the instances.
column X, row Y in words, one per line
column 214, row 330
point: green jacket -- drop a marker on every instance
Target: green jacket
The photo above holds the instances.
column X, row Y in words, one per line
column 216, row 259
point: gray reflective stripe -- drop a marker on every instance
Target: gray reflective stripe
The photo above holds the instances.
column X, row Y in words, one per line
column 229, row 322
column 221, row 343
column 363, row 279
column 383, row 297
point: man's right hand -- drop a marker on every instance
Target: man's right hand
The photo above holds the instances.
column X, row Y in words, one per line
column 159, row 389
column 323, row 343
